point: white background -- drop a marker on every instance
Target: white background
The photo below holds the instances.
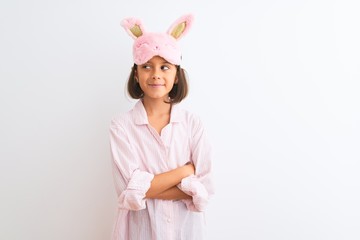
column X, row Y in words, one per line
column 275, row 82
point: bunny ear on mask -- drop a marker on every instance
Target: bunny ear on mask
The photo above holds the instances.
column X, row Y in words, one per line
column 133, row 27
column 181, row 26
column 164, row 44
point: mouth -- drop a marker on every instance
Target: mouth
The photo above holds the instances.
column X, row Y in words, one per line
column 156, row 85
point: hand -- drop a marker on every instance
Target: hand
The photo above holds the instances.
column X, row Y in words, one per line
column 189, row 168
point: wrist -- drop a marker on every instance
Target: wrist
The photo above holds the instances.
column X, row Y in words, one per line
column 189, row 169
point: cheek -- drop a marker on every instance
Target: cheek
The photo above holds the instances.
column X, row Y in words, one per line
column 173, row 77
column 143, row 76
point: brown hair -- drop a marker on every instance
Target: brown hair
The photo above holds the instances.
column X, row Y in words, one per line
column 177, row 93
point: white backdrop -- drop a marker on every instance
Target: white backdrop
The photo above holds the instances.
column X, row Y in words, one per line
column 276, row 83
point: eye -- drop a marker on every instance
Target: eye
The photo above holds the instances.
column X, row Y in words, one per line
column 164, row 67
column 146, row 66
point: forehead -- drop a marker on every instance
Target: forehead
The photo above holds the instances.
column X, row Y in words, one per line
column 158, row 60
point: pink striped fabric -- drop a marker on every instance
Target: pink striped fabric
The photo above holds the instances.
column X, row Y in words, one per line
column 138, row 153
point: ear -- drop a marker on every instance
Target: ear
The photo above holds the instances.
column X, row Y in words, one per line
column 136, row 76
column 133, row 27
column 181, row 26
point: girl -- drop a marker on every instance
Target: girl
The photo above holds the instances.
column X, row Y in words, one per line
column 161, row 157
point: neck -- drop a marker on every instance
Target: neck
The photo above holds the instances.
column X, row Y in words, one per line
column 156, row 107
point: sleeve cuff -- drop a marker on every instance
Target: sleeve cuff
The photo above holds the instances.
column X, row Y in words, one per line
column 193, row 187
column 133, row 197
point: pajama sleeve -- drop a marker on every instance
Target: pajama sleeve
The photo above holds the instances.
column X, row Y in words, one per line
column 200, row 185
column 131, row 183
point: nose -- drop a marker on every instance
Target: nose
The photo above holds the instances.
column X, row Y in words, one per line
column 155, row 77
column 156, row 74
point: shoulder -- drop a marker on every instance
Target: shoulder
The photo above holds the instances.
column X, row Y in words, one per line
column 120, row 120
column 190, row 118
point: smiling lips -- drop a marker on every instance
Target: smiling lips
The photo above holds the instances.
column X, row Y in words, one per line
column 156, row 85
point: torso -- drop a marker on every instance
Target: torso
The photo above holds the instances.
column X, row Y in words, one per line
column 159, row 122
column 153, row 154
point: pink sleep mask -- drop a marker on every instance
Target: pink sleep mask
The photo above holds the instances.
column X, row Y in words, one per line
column 150, row 44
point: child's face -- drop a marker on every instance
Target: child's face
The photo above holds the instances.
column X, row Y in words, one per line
column 156, row 78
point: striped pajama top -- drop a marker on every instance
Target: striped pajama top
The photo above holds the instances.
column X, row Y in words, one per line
column 138, row 153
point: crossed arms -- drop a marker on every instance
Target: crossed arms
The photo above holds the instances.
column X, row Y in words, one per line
column 163, row 186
